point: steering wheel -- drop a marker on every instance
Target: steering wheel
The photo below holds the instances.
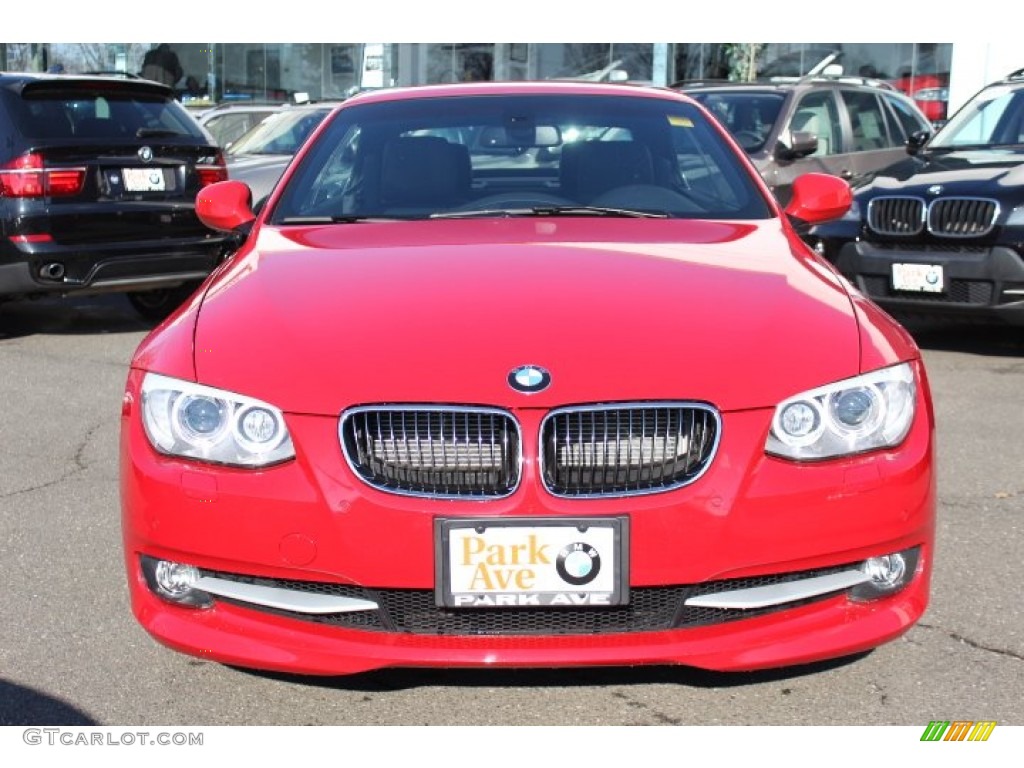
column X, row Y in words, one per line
column 748, row 139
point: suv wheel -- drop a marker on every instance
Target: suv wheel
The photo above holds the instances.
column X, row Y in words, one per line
column 157, row 304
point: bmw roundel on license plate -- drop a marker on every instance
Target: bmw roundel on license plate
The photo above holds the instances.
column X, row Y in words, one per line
column 521, row 563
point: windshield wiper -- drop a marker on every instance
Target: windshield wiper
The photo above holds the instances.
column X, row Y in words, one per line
column 150, row 133
column 947, row 148
column 552, row 210
column 310, row 220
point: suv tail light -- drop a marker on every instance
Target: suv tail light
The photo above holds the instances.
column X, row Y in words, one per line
column 26, row 176
column 212, row 169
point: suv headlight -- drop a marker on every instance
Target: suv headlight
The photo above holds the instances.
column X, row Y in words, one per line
column 1016, row 217
column 207, row 424
column 871, row 411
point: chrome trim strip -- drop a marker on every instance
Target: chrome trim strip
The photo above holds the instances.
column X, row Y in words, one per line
column 777, row 594
column 630, row 406
column 1013, row 292
column 283, row 599
column 134, row 283
column 346, row 415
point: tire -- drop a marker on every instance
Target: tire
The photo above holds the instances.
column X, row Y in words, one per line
column 157, row 304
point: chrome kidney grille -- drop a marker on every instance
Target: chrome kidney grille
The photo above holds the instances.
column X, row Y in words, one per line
column 962, row 216
column 943, row 217
column 626, row 449
column 445, row 451
column 896, row 215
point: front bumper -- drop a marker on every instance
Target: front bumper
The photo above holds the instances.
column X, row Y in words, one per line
column 311, row 520
column 986, row 283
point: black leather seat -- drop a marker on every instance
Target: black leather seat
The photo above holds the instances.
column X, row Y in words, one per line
column 424, row 172
column 591, row 168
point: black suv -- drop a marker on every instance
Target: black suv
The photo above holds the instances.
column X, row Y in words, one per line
column 942, row 231
column 844, row 126
column 98, row 180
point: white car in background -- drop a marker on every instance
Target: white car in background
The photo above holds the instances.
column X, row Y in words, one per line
column 228, row 122
column 260, row 156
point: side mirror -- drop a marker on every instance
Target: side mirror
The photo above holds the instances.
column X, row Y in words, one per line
column 916, row 140
column 225, row 206
column 801, row 144
column 618, row 76
column 818, row 197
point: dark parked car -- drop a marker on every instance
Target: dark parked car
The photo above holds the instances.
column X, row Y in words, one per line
column 942, row 231
column 98, row 179
column 844, row 126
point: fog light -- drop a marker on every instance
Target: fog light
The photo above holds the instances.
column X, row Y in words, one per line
column 175, row 582
column 887, row 574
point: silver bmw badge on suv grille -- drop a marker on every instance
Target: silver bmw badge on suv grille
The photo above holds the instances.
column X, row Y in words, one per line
column 145, row 154
column 529, row 379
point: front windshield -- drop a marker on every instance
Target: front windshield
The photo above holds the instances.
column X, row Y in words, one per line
column 749, row 115
column 506, row 155
column 995, row 118
column 281, row 133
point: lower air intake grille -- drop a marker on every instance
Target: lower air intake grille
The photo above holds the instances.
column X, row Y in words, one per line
column 626, row 449
column 434, row 451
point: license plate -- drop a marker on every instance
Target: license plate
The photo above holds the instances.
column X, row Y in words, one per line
column 532, row 562
column 144, row 180
column 922, row 278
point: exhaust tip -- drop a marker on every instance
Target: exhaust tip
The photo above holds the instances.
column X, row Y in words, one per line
column 52, row 271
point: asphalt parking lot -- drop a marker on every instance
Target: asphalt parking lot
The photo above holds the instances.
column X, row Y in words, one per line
column 72, row 654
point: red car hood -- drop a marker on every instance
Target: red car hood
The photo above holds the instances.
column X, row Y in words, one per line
column 315, row 319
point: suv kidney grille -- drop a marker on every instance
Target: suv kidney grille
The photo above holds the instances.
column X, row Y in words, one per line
column 896, row 215
column 945, row 216
column 625, row 450
column 434, row 451
column 962, row 216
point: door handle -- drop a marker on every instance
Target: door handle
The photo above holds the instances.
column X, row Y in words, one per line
column 846, row 173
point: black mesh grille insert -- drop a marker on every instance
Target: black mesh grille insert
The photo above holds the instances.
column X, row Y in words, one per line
column 635, row 448
column 651, row 609
column 443, row 451
column 974, row 292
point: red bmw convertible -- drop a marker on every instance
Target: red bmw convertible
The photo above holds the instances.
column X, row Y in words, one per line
column 525, row 375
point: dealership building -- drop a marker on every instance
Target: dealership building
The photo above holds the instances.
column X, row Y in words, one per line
column 940, row 76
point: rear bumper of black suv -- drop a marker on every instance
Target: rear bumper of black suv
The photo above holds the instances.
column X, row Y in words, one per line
column 980, row 283
column 47, row 268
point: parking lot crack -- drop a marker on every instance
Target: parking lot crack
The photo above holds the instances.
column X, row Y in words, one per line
column 972, row 643
column 78, row 460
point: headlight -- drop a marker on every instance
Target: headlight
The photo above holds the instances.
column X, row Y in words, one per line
column 206, row 424
column 1016, row 217
column 859, row 414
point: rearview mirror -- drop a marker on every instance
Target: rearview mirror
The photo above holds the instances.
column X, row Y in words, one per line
column 225, row 206
column 916, row 140
column 801, row 144
column 502, row 137
column 818, row 197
